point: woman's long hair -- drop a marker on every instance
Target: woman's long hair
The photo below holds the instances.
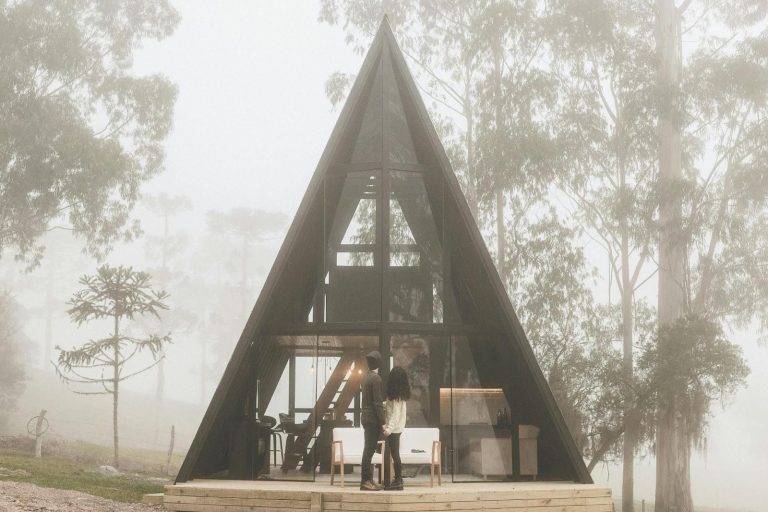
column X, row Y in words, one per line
column 398, row 387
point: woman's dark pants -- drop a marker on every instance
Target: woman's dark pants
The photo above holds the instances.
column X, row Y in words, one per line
column 393, row 444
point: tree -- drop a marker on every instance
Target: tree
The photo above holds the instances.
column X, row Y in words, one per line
column 713, row 199
column 692, row 365
column 247, row 226
column 79, row 132
column 606, row 127
column 693, row 211
column 168, row 245
column 118, row 294
column 12, row 341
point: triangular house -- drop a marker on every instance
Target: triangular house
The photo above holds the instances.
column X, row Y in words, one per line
column 383, row 254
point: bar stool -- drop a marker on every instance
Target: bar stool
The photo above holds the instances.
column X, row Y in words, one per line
column 276, row 438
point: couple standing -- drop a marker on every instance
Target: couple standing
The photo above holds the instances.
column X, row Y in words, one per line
column 379, row 418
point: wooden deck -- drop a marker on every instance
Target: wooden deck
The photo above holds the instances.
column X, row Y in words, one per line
column 264, row 496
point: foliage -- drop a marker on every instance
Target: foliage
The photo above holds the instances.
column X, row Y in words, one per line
column 250, row 224
column 692, row 363
column 12, row 341
column 726, row 202
column 79, row 132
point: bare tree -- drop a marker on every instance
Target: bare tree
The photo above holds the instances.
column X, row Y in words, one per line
column 120, row 294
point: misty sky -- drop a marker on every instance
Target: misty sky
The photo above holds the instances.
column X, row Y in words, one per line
column 251, row 122
column 251, row 118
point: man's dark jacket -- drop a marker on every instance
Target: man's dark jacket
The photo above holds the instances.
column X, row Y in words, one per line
column 372, row 400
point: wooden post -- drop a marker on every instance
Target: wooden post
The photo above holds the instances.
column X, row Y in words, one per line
column 316, row 502
column 170, row 449
column 39, row 434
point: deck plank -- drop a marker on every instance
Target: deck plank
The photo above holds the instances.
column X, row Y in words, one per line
column 260, row 496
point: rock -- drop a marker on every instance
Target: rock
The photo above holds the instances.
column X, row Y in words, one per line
column 108, row 470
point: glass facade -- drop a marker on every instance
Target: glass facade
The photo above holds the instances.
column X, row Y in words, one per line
column 382, row 287
column 383, row 259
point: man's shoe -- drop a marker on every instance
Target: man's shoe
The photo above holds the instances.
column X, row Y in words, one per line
column 396, row 485
column 369, row 486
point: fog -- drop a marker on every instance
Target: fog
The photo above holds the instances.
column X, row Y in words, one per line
column 251, row 121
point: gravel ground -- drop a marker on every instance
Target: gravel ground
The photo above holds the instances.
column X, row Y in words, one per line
column 25, row 497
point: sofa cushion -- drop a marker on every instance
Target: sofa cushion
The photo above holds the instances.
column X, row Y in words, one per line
column 353, row 442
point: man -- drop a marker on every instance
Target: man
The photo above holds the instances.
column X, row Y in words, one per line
column 373, row 418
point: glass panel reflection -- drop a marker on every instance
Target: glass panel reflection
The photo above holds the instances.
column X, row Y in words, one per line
column 341, row 366
column 353, row 279
column 425, row 360
column 288, row 427
column 415, row 253
column 400, row 148
column 480, row 413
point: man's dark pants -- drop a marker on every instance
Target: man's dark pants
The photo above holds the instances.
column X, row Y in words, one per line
column 372, row 434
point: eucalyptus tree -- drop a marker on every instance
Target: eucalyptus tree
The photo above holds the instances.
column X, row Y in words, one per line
column 605, row 63
column 80, row 131
column 657, row 138
column 713, row 202
column 119, row 295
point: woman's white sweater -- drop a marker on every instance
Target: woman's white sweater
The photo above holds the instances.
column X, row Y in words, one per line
column 395, row 410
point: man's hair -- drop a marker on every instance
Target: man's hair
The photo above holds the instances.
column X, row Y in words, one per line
column 398, row 387
column 373, row 363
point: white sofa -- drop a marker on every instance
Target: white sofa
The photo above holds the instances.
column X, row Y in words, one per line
column 427, row 442
column 347, row 448
column 417, row 446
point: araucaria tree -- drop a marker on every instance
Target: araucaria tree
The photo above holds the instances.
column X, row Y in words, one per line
column 117, row 294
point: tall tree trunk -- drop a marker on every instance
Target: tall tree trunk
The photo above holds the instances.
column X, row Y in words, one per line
column 627, row 330
column 499, row 171
column 469, row 142
column 630, row 417
column 48, row 318
column 244, row 277
column 203, row 370
column 500, row 235
column 673, row 479
column 160, row 389
column 116, row 390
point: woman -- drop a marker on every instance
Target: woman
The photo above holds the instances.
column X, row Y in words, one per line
column 398, row 391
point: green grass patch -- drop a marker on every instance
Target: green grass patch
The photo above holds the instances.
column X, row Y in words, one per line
column 136, row 460
column 62, row 473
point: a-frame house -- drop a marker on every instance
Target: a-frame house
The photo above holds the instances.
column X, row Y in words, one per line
column 383, row 254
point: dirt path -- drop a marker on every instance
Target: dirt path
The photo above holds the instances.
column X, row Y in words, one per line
column 24, row 497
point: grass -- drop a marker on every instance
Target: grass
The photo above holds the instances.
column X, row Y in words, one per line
column 65, row 473
column 151, row 462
